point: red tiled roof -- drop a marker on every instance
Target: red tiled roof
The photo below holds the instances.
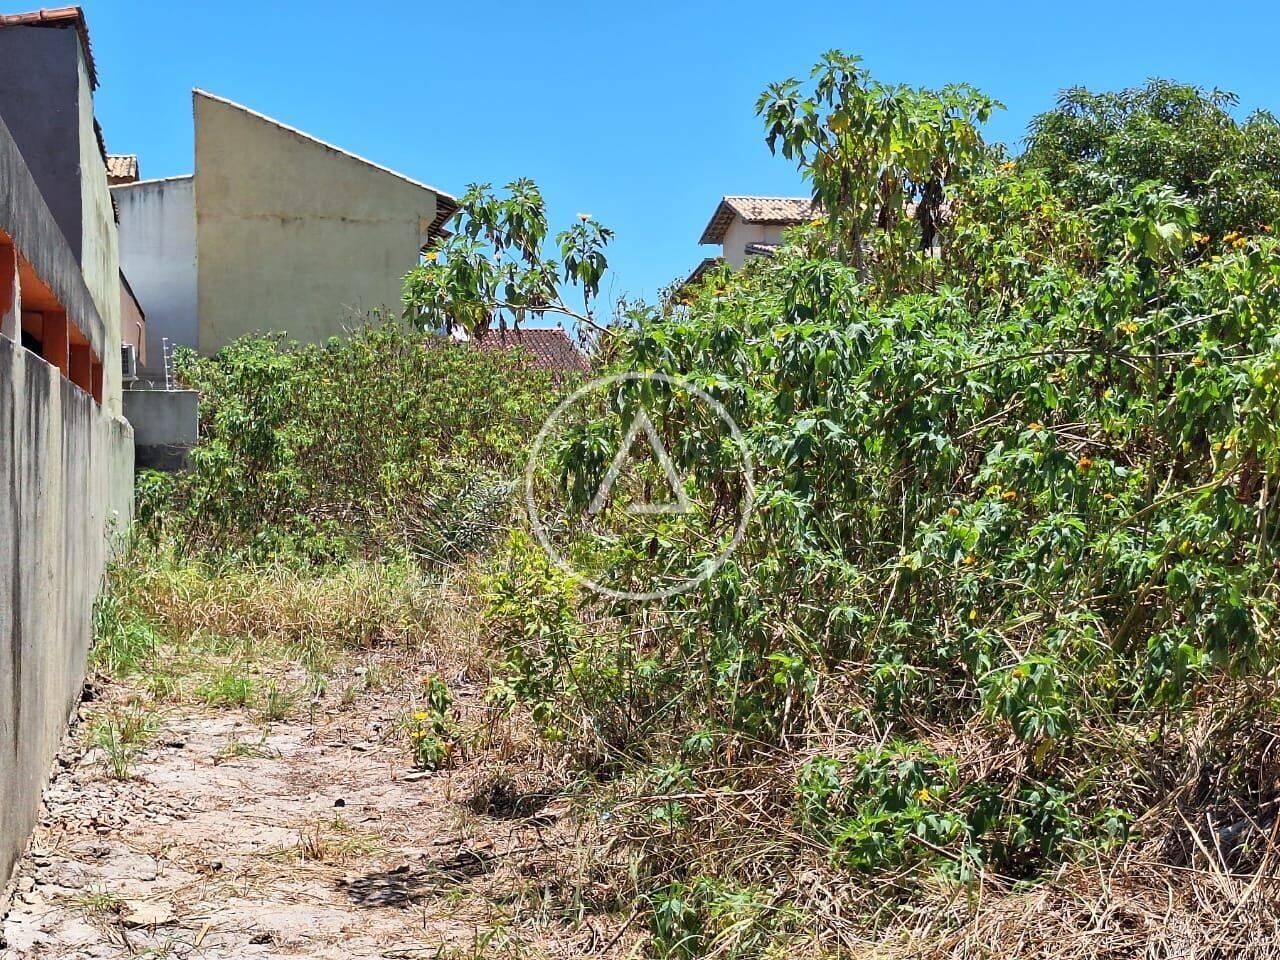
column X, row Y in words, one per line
column 58, row 17
column 551, row 348
column 788, row 211
column 701, row 270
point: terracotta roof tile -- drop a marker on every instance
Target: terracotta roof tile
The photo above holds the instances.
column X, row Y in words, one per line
column 58, row 17
column 551, row 348
column 783, row 210
column 122, row 168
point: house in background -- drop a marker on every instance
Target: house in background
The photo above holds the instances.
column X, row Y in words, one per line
column 749, row 227
column 752, row 226
column 47, row 81
column 275, row 230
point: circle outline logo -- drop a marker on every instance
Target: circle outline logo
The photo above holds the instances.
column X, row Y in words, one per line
column 709, row 569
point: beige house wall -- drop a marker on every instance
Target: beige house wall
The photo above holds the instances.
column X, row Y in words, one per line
column 739, row 234
column 294, row 234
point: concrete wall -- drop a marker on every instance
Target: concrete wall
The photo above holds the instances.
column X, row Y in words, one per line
column 65, row 478
column 46, row 103
column 26, row 217
column 99, row 242
column 66, row 473
column 166, row 425
column 39, row 103
column 158, row 255
column 294, row 234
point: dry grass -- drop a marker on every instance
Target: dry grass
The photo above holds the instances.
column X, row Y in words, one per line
column 355, row 605
column 242, row 635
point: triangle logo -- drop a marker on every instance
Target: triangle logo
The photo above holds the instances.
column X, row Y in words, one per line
column 642, row 424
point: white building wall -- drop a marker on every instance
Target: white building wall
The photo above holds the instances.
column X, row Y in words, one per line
column 158, row 255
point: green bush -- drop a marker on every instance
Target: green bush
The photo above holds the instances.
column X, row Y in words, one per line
column 1015, row 528
column 390, row 442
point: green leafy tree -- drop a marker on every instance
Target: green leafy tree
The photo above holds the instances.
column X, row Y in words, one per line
column 494, row 268
column 1093, row 146
column 876, row 154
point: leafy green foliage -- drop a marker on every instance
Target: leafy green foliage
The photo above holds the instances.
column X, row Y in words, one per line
column 493, row 269
column 1094, row 145
column 878, row 156
column 1015, row 517
column 432, row 728
column 389, row 443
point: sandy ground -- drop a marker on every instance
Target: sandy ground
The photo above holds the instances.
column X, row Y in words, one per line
column 310, row 837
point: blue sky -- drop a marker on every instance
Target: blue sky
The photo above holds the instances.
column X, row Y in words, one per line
column 640, row 114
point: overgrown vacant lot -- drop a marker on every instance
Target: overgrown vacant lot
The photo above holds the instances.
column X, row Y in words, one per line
column 992, row 672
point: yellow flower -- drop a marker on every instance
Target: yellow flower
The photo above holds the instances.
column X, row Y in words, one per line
column 1084, row 463
column 1108, row 497
column 1009, row 496
column 421, row 716
column 953, row 512
column 970, row 560
column 1129, row 327
column 1197, row 361
column 432, row 256
column 973, row 613
column 1007, row 166
column 923, row 795
column 1035, row 426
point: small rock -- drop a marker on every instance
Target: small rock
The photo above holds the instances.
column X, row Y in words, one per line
column 146, row 914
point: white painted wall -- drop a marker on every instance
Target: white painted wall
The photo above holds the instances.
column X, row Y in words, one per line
column 158, row 255
column 740, row 234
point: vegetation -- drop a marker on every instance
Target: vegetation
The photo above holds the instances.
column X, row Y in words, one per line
column 386, row 444
column 1002, row 620
column 1005, row 604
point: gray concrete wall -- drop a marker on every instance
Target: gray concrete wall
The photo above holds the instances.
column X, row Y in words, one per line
column 26, row 217
column 166, row 425
column 158, row 255
column 100, row 242
column 294, row 234
column 66, row 477
column 39, row 103
column 66, row 471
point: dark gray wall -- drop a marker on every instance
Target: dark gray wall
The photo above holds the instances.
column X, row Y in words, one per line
column 39, row 103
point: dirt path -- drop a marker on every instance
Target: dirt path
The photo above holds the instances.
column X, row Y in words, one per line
column 305, row 837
